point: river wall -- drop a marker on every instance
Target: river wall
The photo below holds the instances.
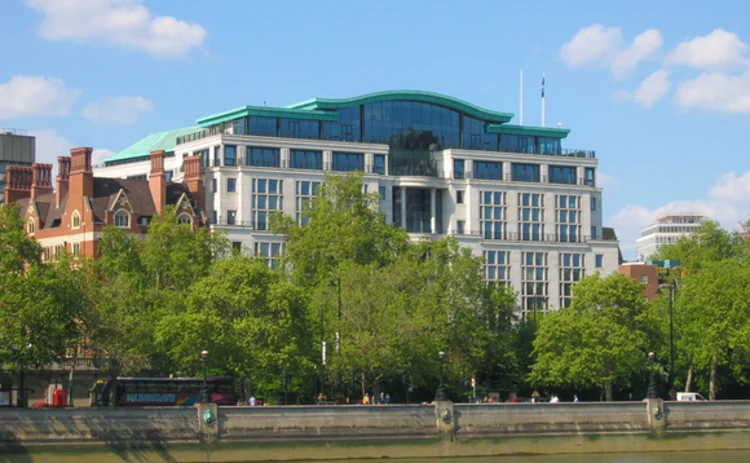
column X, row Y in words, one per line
column 241, row 434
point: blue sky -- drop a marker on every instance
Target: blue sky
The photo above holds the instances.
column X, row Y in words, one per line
column 661, row 90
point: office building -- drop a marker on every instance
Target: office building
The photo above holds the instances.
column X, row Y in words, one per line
column 666, row 230
column 17, row 148
column 531, row 208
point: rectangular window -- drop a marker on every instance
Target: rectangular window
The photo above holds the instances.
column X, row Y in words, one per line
column 564, row 175
column 217, row 156
column 263, row 126
column 534, row 283
column 231, row 217
column 589, row 177
column 169, row 175
column 460, row 227
column 271, row 252
column 76, row 249
column 301, row 159
column 593, row 203
column 293, row 128
column 348, row 162
column 459, row 196
column 214, row 217
column 306, row 190
column 488, row 170
column 492, row 214
column 568, row 218
column 572, row 270
column 531, row 216
column 644, row 279
column 381, row 192
column 230, row 155
column 237, row 247
column 262, row 157
column 599, row 259
column 525, row 172
column 497, row 267
column 458, row 168
column 378, row 166
column 593, row 233
column 231, row 185
column 214, row 185
column 267, row 198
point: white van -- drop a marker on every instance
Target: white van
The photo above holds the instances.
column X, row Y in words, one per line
column 689, row 397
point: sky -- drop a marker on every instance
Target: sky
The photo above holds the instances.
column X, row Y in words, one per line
column 660, row 90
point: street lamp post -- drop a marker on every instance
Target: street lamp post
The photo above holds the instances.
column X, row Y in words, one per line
column 205, row 397
column 440, row 393
column 653, row 387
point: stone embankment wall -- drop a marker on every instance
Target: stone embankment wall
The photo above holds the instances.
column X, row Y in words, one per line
column 234, row 434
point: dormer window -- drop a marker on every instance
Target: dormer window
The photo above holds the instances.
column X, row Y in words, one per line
column 76, row 219
column 30, row 226
column 184, row 218
column 122, row 219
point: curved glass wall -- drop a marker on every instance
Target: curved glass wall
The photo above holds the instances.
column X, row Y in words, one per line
column 412, row 125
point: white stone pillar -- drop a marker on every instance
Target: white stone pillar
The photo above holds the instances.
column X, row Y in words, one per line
column 433, row 211
column 403, row 207
column 284, row 155
column 327, row 160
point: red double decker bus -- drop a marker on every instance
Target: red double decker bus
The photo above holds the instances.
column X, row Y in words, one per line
column 142, row 392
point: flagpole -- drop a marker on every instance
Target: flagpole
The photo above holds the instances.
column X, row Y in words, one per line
column 521, row 109
column 544, row 108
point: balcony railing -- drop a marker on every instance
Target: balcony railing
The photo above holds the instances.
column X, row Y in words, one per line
column 568, row 152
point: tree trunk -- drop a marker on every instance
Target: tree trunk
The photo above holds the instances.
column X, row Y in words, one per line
column 608, row 390
column 71, row 375
column 689, row 381
column 362, row 384
column 712, row 382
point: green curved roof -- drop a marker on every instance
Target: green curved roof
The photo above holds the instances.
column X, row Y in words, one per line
column 411, row 95
column 166, row 141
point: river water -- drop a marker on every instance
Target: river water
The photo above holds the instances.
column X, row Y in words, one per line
column 725, row 456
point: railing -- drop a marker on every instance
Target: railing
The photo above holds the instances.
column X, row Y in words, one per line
column 412, row 168
column 251, row 225
column 5, row 131
column 574, row 153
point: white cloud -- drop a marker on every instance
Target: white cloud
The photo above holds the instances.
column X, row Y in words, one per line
column 716, row 92
column 606, row 182
column 726, row 202
column 28, row 96
column 718, row 50
column 122, row 23
column 652, row 89
column 50, row 145
column 99, row 155
column 601, row 46
column 121, row 110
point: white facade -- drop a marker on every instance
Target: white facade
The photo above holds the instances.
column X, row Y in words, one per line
column 540, row 266
column 666, row 230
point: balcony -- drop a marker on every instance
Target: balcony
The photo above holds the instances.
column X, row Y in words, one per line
column 565, row 152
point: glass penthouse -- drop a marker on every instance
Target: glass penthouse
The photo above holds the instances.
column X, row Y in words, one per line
column 441, row 165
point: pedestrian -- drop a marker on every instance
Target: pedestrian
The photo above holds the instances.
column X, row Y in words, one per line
column 554, row 399
column 387, row 399
column 575, row 398
column 381, row 399
column 251, row 401
column 366, row 399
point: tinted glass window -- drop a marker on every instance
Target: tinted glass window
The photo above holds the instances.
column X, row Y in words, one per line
column 562, row 174
column 519, row 144
column 262, row 157
column 549, row 145
column 411, row 125
column 230, row 155
column 525, row 172
column 301, row 159
column 241, row 126
column 379, row 164
column 346, row 128
column 263, row 126
column 458, row 168
column 475, row 136
column 589, row 177
column 347, row 162
column 488, row 170
column 292, row 128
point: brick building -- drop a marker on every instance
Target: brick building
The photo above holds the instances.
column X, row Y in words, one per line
column 644, row 273
column 71, row 217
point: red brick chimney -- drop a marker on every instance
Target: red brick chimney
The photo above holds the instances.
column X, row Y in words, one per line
column 192, row 178
column 17, row 183
column 63, row 178
column 81, row 175
column 157, row 180
column 42, row 181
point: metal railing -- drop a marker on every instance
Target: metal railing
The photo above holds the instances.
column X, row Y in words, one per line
column 568, row 152
column 8, row 131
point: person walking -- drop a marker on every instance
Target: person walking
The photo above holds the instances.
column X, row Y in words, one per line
column 554, row 399
column 575, row 398
column 366, row 399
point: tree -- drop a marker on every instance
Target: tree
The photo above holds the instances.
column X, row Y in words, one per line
column 16, row 251
column 601, row 339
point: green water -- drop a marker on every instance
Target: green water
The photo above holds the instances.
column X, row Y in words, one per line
column 726, row 456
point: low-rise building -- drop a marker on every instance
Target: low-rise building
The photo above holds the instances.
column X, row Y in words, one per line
column 643, row 273
column 666, row 230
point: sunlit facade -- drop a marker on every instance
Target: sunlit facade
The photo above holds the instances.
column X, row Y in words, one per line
column 512, row 194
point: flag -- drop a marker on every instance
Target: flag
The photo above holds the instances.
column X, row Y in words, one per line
column 542, row 86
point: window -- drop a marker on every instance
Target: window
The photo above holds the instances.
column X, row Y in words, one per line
column 268, row 197
column 644, row 279
column 534, row 283
column 76, row 219
column 518, row 144
column 525, row 172
column 214, row 184
column 231, row 185
column 122, row 219
column 346, row 128
column 230, row 155
column 76, row 249
column 270, row 251
column 231, row 217
column 488, row 170
column 549, row 146
column 169, row 175
column 531, row 216
column 262, row 157
column 458, row 168
column 461, row 227
column 562, row 174
column 30, row 226
column 214, row 217
column 568, row 212
column 348, row 162
column 184, row 219
column 143, row 220
column 459, row 196
column 598, row 260
column 237, row 247
column 381, row 192
column 593, row 233
column 589, row 177
column 492, row 214
column 217, row 156
column 497, row 266
column 476, row 137
column 263, row 126
column 379, row 164
column 305, row 192
column 572, row 270
column 420, row 126
column 593, row 203
column 293, row 128
column 301, row 159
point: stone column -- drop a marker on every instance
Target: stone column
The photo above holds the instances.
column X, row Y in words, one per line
column 433, row 211
column 444, row 419
column 403, row 207
column 208, row 422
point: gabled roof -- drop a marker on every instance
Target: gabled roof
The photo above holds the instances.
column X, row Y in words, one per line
column 166, row 141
